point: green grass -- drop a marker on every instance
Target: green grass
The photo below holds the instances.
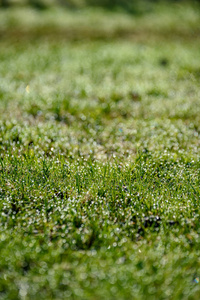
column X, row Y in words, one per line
column 99, row 164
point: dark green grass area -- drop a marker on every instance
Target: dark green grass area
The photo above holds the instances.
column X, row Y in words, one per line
column 99, row 144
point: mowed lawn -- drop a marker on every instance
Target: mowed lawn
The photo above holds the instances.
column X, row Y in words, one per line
column 99, row 154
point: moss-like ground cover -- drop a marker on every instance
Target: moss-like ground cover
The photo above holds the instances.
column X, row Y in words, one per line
column 99, row 144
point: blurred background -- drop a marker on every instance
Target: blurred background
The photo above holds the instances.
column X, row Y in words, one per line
column 131, row 6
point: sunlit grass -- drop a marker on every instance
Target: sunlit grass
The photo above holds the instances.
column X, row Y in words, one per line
column 99, row 144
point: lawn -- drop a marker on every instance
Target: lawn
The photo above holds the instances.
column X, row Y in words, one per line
column 100, row 154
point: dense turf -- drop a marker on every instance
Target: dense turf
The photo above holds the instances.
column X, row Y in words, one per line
column 99, row 165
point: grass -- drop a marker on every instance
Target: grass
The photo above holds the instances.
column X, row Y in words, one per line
column 99, row 143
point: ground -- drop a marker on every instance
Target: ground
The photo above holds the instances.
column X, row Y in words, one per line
column 99, row 144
